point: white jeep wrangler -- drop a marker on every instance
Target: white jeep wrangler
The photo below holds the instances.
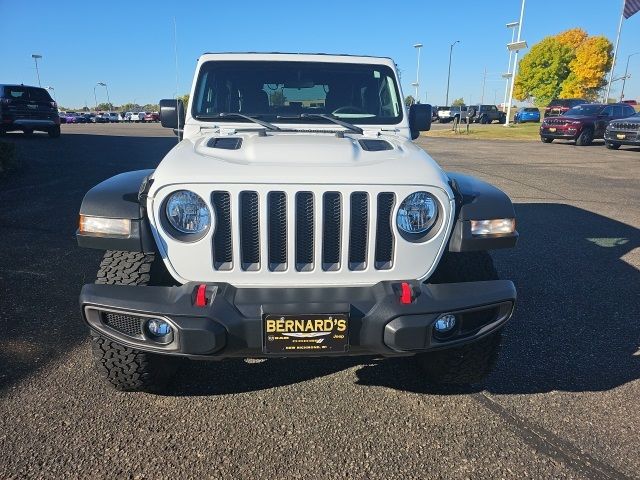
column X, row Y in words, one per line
column 295, row 218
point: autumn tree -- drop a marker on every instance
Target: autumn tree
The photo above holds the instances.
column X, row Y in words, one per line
column 458, row 102
column 409, row 100
column 570, row 64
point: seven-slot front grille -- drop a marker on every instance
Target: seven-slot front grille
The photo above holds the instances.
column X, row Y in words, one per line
column 329, row 230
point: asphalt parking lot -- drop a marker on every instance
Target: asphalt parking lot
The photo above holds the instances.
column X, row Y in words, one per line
column 561, row 404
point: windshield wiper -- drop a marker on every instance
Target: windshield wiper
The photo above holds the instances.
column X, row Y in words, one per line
column 267, row 125
column 348, row 126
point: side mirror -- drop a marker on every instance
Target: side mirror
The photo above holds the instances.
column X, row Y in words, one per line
column 172, row 113
column 419, row 119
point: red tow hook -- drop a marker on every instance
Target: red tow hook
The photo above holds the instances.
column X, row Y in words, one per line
column 406, row 294
column 201, row 296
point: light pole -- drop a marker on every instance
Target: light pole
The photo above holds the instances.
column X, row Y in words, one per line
column 516, row 47
column 417, row 46
column 35, row 57
column 95, row 98
column 507, row 75
column 624, row 78
column 102, row 84
column 446, row 102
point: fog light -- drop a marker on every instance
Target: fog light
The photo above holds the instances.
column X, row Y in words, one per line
column 445, row 323
column 158, row 327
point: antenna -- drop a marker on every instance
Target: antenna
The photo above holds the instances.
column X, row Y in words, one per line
column 175, row 52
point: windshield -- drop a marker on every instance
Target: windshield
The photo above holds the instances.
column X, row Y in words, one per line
column 584, row 110
column 277, row 91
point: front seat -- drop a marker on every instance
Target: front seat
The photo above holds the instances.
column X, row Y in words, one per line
column 254, row 101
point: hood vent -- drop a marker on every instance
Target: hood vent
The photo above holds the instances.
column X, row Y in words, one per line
column 371, row 145
column 225, row 143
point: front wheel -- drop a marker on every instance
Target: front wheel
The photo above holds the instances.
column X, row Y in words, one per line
column 546, row 139
column 612, row 146
column 54, row 132
column 585, row 138
column 126, row 368
column 471, row 363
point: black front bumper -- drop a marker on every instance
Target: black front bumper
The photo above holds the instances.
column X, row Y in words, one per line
column 231, row 324
column 630, row 137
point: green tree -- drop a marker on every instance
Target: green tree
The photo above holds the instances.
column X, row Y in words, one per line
column 569, row 64
column 151, row 107
column 130, row 107
column 103, row 107
column 185, row 100
column 409, row 100
column 458, row 102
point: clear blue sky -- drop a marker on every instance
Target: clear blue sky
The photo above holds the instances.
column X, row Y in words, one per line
column 129, row 44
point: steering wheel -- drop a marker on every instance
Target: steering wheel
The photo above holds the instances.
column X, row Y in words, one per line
column 348, row 109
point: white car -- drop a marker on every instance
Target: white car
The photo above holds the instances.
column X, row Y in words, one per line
column 296, row 217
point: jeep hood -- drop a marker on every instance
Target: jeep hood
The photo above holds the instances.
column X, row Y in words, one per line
column 299, row 158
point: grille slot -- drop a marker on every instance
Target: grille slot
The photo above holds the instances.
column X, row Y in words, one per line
column 304, row 231
column 331, row 226
column 358, row 231
column 384, row 233
column 125, row 324
column 222, row 243
column 277, row 204
column 249, row 231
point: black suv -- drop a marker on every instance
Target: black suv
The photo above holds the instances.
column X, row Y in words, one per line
column 488, row 114
column 625, row 131
column 28, row 109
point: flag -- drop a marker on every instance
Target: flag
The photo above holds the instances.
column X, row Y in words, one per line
column 631, row 7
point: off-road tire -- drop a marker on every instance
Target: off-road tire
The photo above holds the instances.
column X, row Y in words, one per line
column 54, row 132
column 612, row 146
column 546, row 139
column 126, row 368
column 465, row 365
column 585, row 138
column 468, row 364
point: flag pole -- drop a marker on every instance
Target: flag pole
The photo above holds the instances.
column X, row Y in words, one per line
column 615, row 53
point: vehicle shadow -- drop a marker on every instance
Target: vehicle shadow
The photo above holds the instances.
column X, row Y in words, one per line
column 575, row 328
column 41, row 267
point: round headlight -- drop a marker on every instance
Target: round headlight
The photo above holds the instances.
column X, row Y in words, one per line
column 417, row 213
column 187, row 212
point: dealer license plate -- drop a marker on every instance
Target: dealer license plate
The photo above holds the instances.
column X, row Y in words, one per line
column 552, row 129
column 305, row 334
column 621, row 136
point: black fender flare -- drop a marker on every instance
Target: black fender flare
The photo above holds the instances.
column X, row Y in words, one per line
column 121, row 196
column 478, row 200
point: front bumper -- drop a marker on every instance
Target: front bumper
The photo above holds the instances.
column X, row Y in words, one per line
column 231, row 323
column 560, row 132
column 630, row 137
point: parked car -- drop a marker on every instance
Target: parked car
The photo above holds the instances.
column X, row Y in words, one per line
column 527, row 114
column 560, row 106
column 63, row 117
column 28, row 109
column 583, row 123
column 112, row 117
column 455, row 112
column 488, row 114
column 134, row 117
column 256, row 248
column 625, row 131
column 151, row 117
column 101, row 118
column 630, row 102
column 83, row 118
column 71, row 117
